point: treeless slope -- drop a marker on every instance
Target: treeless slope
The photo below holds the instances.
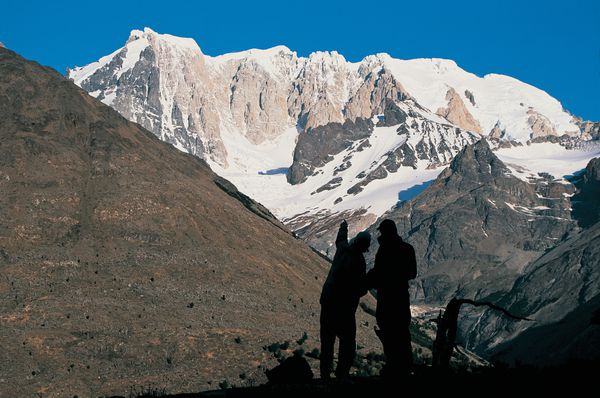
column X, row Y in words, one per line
column 126, row 263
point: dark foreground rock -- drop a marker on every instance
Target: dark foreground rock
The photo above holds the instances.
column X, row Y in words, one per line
column 427, row 382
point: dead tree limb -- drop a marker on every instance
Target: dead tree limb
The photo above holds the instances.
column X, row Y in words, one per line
column 445, row 339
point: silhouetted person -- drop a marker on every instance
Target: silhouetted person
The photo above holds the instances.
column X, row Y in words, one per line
column 342, row 290
column 395, row 265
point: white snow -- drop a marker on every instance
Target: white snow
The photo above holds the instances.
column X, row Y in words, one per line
column 285, row 200
column 109, row 97
column 269, row 59
column 497, row 97
column 258, row 53
column 138, row 41
column 528, row 160
column 541, row 208
column 483, row 230
column 531, row 212
column 132, row 56
column 519, row 209
column 183, row 43
column 79, row 74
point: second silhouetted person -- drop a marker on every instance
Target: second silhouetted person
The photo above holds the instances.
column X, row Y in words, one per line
column 395, row 265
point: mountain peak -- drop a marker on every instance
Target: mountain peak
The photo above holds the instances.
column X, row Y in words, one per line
column 279, row 49
column 152, row 36
column 267, row 52
column 326, row 55
column 137, row 34
column 262, row 56
column 477, row 159
column 443, row 62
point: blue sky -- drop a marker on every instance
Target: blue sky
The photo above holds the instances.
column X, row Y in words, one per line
column 553, row 45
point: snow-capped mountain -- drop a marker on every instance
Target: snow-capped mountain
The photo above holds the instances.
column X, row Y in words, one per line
column 318, row 138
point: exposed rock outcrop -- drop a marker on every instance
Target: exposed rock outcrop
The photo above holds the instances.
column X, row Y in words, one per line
column 497, row 133
column 477, row 226
column 540, row 124
column 572, row 339
column 457, row 113
column 377, row 89
column 317, row 146
column 586, row 203
column 470, row 96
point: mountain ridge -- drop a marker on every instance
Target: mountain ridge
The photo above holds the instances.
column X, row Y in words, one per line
column 318, row 139
column 246, row 112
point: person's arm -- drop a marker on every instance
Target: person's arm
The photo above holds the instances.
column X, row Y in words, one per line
column 342, row 237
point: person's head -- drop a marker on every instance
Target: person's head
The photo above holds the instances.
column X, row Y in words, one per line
column 362, row 241
column 388, row 228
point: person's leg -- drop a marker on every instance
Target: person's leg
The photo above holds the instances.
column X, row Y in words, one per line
column 347, row 348
column 327, row 343
column 399, row 350
column 395, row 338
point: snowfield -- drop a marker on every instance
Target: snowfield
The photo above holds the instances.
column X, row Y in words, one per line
column 527, row 161
column 251, row 140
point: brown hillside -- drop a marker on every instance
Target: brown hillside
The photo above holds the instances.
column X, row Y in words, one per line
column 126, row 263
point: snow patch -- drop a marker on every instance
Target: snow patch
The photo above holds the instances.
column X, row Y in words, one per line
column 527, row 161
column 79, row 74
column 248, row 163
column 132, row 56
column 497, row 97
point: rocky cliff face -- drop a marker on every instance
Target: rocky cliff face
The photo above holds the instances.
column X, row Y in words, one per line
column 586, row 203
column 558, row 282
column 574, row 338
column 356, row 171
column 482, row 231
column 127, row 263
column 319, row 145
column 477, row 225
column 457, row 113
column 187, row 98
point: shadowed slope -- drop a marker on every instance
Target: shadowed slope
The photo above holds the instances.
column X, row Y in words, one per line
column 576, row 337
